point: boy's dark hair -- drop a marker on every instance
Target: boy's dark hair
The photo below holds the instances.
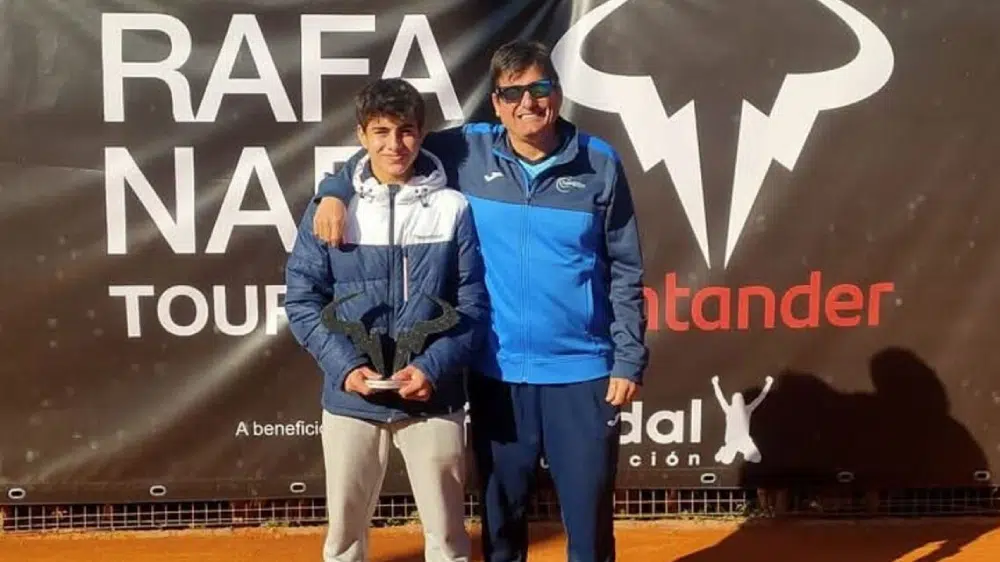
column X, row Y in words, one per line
column 389, row 97
column 519, row 55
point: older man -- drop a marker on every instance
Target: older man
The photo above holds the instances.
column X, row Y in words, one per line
column 558, row 235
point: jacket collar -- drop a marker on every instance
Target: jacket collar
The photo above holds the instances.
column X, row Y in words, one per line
column 428, row 176
column 569, row 146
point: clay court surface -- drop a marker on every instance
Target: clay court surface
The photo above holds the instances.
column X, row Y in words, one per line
column 927, row 540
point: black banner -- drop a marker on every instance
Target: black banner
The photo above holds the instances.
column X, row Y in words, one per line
column 813, row 181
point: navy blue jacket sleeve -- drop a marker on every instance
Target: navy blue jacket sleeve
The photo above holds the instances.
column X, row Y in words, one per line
column 628, row 327
column 455, row 349
column 341, row 183
column 452, row 147
column 309, row 282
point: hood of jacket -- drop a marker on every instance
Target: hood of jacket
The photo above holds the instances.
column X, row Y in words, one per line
column 428, row 176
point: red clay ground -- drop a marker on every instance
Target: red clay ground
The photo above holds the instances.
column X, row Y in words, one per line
column 969, row 540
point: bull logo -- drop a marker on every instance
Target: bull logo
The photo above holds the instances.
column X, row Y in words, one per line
column 406, row 344
column 673, row 139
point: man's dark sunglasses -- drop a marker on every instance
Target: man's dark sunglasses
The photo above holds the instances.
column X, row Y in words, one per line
column 539, row 89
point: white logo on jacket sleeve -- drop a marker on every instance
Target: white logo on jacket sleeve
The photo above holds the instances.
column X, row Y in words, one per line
column 778, row 137
column 492, row 176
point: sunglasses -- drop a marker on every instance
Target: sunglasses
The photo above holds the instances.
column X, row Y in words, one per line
column 539, row 89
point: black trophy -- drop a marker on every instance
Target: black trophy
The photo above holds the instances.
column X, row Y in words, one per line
column 406, row 343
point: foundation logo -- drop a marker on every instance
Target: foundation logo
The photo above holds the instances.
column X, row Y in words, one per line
column 738, row 439
column 671, row 433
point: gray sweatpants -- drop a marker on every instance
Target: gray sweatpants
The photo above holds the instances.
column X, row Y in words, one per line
column 355, row 453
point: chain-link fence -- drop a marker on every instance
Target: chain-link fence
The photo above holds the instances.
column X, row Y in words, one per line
column 629, row 504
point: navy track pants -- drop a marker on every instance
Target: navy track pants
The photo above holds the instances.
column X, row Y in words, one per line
column 577, row 431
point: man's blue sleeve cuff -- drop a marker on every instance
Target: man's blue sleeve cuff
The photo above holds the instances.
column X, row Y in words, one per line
column 626, row 370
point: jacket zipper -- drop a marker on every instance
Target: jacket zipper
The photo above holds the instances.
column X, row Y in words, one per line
column 523, row 254
column 525, row 260
column 391, row 287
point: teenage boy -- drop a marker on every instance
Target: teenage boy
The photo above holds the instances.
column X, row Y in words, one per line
column 408, row 238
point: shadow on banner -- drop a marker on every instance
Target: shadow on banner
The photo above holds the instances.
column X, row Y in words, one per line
column 898, row 436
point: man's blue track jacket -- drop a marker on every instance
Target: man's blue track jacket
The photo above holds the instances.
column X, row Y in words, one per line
column 561, row 251
column 402, row 243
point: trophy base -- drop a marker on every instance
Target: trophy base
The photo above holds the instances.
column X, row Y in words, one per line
column 383, row 384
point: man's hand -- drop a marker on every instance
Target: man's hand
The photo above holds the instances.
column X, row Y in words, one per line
column 355, row 381
column 621, row 391
column 330, row 219
column 415, row 384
